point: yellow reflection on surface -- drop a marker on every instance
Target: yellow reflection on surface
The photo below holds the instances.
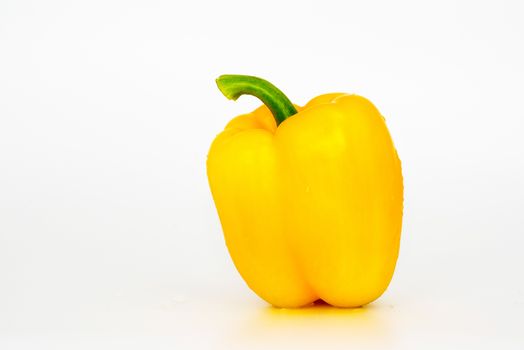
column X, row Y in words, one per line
column 318, row 326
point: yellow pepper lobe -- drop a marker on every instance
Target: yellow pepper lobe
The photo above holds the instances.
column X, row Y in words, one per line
column 311, row 209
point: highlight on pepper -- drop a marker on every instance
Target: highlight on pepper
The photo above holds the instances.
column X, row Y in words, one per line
column 310, row 198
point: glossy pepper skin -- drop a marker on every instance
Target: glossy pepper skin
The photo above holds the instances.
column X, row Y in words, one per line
column 311, row 209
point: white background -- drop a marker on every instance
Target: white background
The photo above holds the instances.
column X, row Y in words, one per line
column 108, row 234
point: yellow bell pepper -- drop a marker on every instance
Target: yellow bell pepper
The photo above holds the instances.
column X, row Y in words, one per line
column 310, row 198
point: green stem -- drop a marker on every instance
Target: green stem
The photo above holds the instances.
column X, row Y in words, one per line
column 234, row 86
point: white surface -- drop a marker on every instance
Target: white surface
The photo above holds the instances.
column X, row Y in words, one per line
column 108, row 234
